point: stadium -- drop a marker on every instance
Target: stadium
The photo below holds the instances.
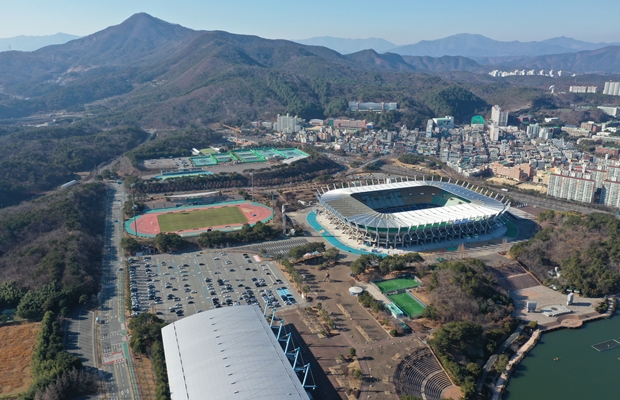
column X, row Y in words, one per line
column 410, row 213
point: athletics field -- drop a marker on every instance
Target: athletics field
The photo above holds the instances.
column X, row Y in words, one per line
column 193, row 220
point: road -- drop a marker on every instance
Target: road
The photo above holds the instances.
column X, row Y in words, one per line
column 114, row 360
column 99, row 336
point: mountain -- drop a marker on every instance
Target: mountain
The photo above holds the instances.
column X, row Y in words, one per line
column 348, row 46
column 372, row 60
column 478, row 46
column 31, row 43
column 156, row 74
column 605, row 61
column 442, row 64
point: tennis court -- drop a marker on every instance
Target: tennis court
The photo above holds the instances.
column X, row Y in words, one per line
column 290, row 153
column 223, row 157
column 203, row 161
column 267, row 153
column 395, row 284
column 407, row 303
column 179, row 221
column 247, row 156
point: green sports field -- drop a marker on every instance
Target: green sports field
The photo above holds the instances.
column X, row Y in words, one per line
column 396, row 284
column 178, row 221
column 407, row 303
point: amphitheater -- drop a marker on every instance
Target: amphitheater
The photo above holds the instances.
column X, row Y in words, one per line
column 394, row 214
column 420, row 375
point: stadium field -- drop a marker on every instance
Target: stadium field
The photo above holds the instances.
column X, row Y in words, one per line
column 396, row 284
column 407, row 303
column 179, row 221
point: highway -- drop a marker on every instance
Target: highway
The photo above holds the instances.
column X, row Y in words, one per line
column 112, row 342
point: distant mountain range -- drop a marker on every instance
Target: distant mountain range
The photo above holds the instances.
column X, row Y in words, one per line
column 32, row 43
column 157, row 74
column 348, row 46
column 463, row 44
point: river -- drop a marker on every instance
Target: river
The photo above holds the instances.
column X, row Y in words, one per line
column 580, row 372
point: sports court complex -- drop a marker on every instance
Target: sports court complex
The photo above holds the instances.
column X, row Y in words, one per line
column 246, row 156
column 194, row 220
column 397, row 290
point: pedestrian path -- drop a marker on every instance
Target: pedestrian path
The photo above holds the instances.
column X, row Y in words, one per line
column 279, row 247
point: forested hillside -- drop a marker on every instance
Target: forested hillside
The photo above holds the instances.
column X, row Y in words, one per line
column 585, row 249
column 34, row 160
column 51, row 249
column 475, row 314
column 160, row 75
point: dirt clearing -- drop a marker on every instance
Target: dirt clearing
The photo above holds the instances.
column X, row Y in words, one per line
column 16, row 346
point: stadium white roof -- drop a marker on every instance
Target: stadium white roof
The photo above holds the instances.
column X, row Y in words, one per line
column 480, row 206
column 228, row 353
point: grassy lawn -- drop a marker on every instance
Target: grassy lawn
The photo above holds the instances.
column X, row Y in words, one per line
column 397, row 284
column 200, row 219
column 511, row 229
column 407, row 303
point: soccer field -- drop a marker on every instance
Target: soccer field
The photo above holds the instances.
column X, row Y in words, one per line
column 178, row 221
column 407, row 303
column 397, row 284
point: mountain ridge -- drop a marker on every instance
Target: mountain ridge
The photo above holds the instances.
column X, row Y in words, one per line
column 32, row 43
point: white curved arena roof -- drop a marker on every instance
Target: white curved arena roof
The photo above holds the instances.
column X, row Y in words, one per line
column 228, row 353
column 479, row 207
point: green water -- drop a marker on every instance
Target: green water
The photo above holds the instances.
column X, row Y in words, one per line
column 580, row 373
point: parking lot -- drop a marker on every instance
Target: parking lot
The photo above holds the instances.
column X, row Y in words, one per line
column 177, row 285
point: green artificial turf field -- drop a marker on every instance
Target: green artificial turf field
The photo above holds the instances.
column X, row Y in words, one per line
column 407, row 303
column 396, row 284
column 178, row 221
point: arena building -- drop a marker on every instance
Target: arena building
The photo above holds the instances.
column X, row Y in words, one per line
column 408, row 213
column 234, row 353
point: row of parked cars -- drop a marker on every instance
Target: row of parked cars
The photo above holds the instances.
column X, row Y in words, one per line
column 140, row 292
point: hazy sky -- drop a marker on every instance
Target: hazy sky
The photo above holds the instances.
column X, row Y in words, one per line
column 401, row 22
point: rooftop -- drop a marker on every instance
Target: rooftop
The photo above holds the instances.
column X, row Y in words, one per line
column 228, row 353
column 342, row 202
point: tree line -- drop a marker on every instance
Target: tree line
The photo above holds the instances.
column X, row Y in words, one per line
column 56, row 373
column 475, row 314
column 50, row 251
column 35, row 160
column 584, row 248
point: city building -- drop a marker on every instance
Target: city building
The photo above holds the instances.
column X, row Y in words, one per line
column 609, row 110
column 347, row 123
column 582, row 89
column 499, row 117
column 288, row 124
column 610, row 194
column 494, row 132
column 572, row 187
column 612, row 88
column 377, row 107
column 444, row 123
column 429, row 128
column 521, row 172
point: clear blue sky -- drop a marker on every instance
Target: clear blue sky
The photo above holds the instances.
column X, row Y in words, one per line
column 399, row 21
